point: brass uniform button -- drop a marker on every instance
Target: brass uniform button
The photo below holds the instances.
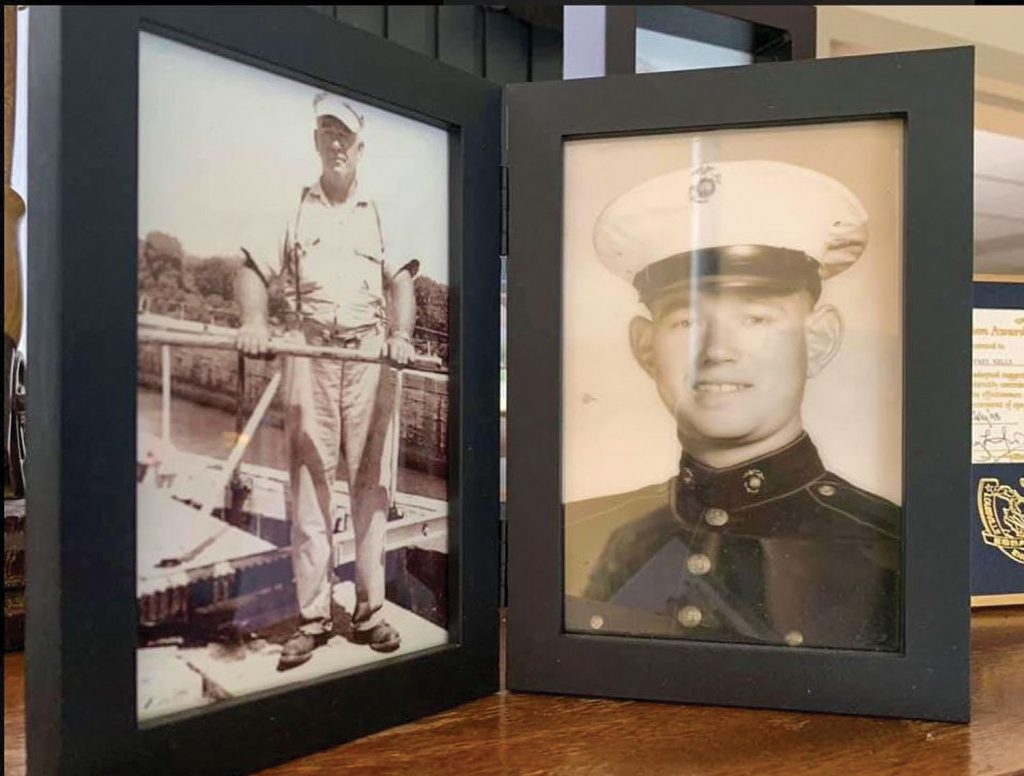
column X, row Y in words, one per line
column 716, row 517
column 826, row 490
column 596, row 622
column 794, row 638
column 689, row 616
column 698, row 564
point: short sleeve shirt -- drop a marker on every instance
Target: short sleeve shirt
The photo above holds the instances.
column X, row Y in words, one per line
column 332, row 261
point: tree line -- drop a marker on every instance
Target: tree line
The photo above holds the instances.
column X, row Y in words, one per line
column 172, row 282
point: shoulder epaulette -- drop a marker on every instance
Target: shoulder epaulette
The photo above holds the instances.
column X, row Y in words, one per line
column 862, row 508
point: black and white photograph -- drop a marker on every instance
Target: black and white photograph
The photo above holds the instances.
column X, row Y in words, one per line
column 732, row 385
column 293, row 396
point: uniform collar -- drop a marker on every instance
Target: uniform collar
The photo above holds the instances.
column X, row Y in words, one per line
column 317, row 190
column 783, row 471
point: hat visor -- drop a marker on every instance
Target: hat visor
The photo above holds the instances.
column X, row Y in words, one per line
column 348, row 123
column 761, row 269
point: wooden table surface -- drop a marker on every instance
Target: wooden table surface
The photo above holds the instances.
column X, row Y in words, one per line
column 512, row 733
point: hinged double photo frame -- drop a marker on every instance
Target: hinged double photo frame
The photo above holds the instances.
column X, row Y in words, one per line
column 264, row 454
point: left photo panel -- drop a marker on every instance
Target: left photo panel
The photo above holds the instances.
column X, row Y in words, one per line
column 293, row 393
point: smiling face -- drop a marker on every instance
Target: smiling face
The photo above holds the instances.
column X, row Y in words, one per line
column 338, row 146
column 731, row 364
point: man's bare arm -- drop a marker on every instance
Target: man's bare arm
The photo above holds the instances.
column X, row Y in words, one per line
column 402, row 304
column 251, row 293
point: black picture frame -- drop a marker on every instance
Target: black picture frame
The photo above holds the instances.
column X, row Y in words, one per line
column 932, row 91
column 81, row 680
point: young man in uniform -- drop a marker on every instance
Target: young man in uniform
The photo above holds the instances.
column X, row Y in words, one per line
column 343, row 292
column 754, row 540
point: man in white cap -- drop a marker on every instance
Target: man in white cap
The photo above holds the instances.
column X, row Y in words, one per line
column 342, row 291
column 754, row 540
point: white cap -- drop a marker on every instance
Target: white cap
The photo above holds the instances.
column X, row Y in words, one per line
column 732, row 219
column 326, row 104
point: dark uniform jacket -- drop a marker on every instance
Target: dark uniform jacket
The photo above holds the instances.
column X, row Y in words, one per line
column 776, row 550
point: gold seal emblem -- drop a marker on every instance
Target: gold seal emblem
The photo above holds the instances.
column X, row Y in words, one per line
column 1002, row 520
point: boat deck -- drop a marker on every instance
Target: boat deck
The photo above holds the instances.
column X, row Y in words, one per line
column 174, row 678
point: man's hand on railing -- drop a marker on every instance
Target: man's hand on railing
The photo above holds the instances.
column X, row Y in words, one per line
column 257, row 344
column 400, row 349
column 254, row 339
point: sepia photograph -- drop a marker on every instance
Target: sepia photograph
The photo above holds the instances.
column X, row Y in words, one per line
column 293, row 397
column 732, row 385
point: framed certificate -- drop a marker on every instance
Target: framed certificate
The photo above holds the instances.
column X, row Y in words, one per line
column 997, row 443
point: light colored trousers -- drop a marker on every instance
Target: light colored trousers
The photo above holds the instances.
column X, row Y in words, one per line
column 334, row 407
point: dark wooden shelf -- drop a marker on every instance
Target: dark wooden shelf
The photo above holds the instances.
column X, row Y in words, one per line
column 536, row 734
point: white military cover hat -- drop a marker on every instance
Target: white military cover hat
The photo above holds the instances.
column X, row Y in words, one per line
column 326, row 104
column 751, row 222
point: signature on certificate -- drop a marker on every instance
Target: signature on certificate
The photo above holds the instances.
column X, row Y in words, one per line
column 998, row 443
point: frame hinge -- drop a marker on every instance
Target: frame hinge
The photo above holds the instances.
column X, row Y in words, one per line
column 503, row 563
column 504, row 211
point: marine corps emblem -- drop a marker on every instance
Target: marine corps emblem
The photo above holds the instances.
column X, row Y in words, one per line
column 1002, row 520
column 753, row 480
column 708, row 181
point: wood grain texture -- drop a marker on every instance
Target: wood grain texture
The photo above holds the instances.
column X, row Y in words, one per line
column 14, row 205
column 537, row 734
column 14, row 713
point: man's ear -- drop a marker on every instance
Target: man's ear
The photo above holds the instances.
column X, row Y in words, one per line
column 316, row 140
column 824, row 334
column 641, row 340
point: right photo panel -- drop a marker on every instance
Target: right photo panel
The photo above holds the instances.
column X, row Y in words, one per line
column 732, row 387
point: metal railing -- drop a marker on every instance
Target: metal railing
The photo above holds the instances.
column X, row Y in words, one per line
column 168, row 333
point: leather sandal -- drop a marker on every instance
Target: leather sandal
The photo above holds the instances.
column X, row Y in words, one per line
column 299, row 649
column 380, row 638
